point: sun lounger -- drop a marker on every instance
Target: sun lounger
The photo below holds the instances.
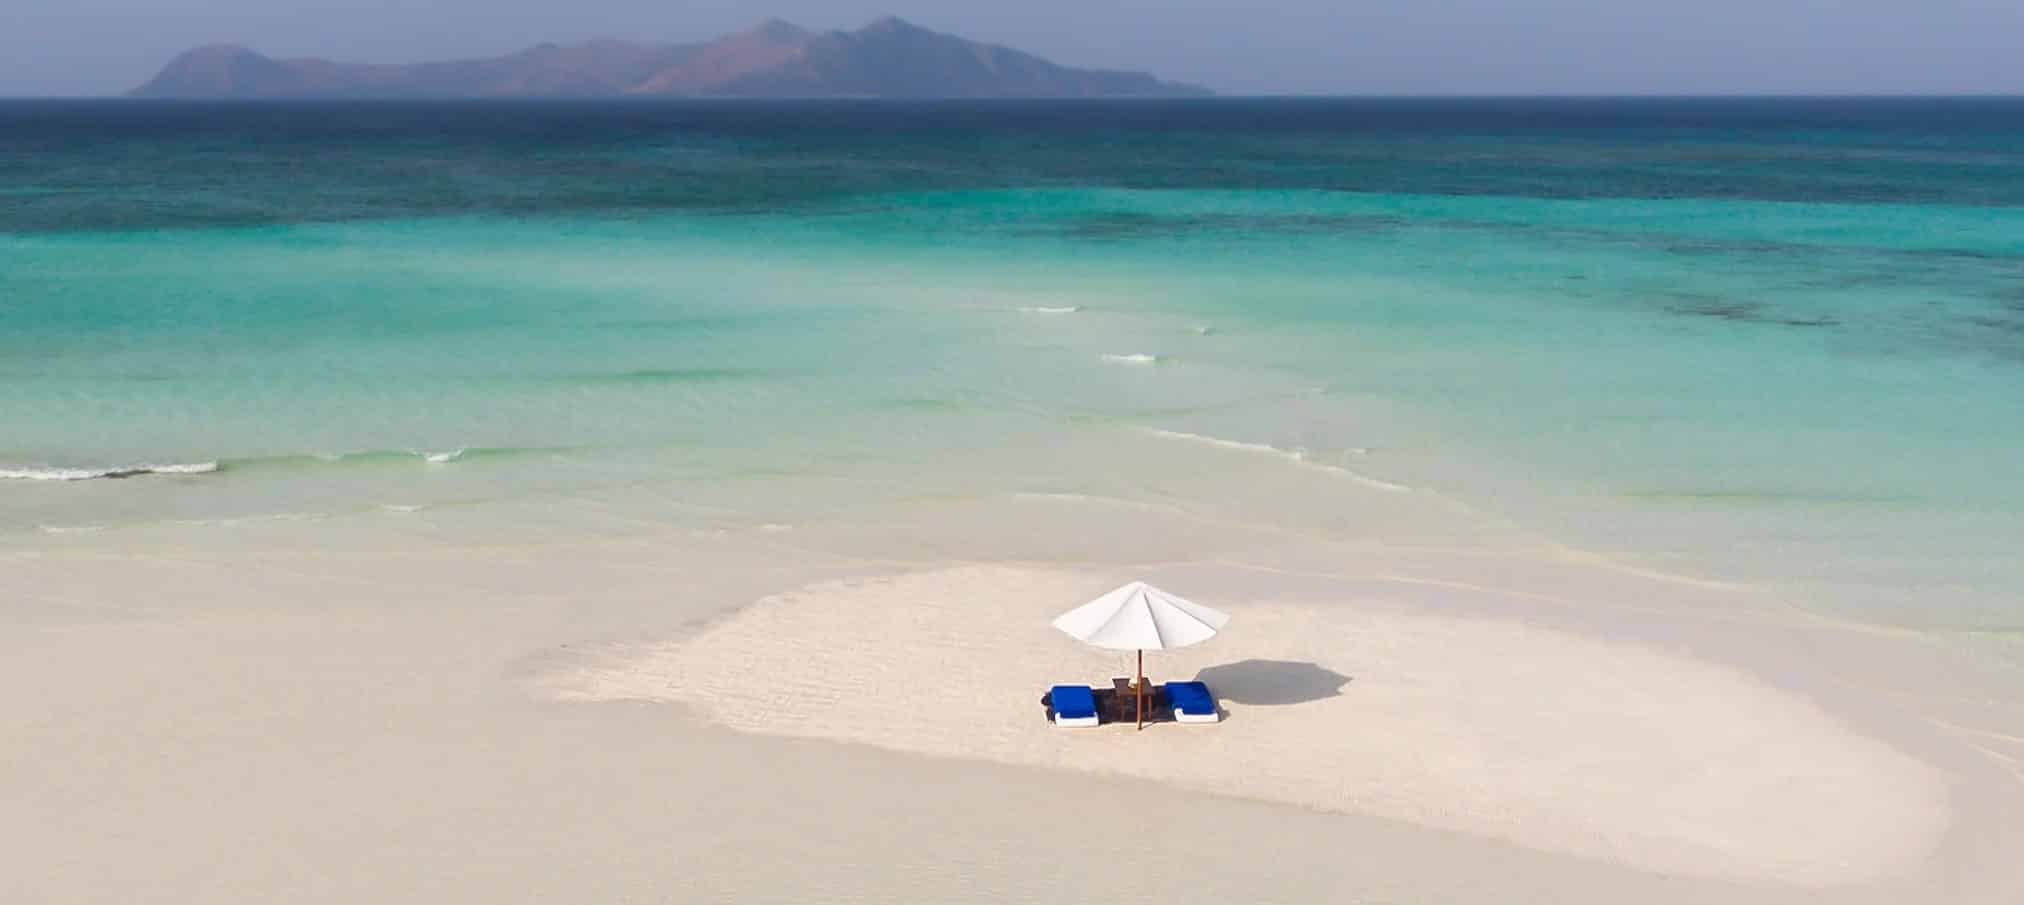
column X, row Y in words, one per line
column 1071, row 705
column 1192, row 702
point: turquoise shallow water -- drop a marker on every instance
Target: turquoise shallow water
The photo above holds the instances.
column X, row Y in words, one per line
column 1776, row 345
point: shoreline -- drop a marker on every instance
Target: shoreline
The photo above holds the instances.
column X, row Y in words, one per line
column 1225, row 488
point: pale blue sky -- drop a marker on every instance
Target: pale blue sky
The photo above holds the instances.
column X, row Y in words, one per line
column 1261, row 46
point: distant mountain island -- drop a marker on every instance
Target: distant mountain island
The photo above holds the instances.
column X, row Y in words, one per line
column 889, row 58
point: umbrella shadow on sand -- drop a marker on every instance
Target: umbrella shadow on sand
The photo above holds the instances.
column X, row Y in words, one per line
column 1272, row 683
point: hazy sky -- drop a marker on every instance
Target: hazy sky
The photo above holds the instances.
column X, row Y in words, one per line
column 1259, row 46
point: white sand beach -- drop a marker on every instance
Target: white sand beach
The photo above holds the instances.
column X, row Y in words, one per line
column 1539, row 738
column 738, row 717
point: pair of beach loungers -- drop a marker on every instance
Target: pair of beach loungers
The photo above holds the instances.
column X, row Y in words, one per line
column 1079, row 705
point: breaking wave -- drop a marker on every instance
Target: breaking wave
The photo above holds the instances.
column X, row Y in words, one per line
column 1295, row 456
column 384, row 457
column 56, row 473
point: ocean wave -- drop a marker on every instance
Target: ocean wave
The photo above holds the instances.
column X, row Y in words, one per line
column 1295, row 456
column 364, row 458
column 1135, row 358
column 56, row 473
column 1051, row 309
column 390, row 457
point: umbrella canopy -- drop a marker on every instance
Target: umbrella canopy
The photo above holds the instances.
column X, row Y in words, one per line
column 1139, row 616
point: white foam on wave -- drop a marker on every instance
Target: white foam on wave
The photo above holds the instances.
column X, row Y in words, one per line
column 439, row 458
column 1296, row 456
column 1050, row 309
column 402, row 507
column 1203, row 329
column 1135, row 358
column 193, row 468
column 70, row 529
column 51, row 473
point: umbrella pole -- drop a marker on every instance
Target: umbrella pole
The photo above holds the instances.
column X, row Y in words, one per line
column 1140, row 684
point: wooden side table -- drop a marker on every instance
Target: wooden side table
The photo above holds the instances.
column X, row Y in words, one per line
column 1126, row 698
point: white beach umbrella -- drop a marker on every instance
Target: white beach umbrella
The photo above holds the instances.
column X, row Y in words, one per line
column 1141, row 617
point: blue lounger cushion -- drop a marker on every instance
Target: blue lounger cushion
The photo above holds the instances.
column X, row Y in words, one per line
column 1192, row 702
column 1072, row 705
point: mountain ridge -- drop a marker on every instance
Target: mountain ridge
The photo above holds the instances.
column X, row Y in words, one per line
column 888, row 58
